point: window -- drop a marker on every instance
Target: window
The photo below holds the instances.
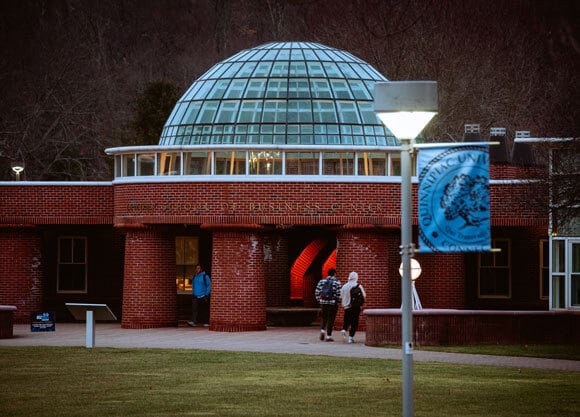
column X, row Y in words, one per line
column 544, row 269
column 265, row 163
column 558, row 273
column 338, row 163
column 302, row 163
column 495, row 271
column 196, row 163
column 72, row 264
column 372, row 163
column 186, row 257
column 169, row 163
column 230, row 163
column 146, row 164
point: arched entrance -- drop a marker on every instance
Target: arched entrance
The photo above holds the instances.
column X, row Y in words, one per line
column 314, row 254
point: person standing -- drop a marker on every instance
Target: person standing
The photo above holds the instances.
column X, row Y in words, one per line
column 353, row 296
column 328, row 295
column 200, row 289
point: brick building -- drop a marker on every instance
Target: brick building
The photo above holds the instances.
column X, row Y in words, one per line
column 271, row 169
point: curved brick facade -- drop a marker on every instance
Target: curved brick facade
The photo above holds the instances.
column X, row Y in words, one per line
column 252, row 234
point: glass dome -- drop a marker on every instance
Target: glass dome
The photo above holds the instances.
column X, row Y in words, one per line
column 282, row 93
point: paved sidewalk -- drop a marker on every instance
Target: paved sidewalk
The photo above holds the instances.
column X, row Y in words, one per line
column 302, row 340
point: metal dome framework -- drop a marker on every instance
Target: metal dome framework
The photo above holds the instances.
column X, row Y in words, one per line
column 290, row 111
column 289, row 93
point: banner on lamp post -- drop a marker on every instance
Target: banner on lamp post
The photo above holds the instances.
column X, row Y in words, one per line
column 454, row 213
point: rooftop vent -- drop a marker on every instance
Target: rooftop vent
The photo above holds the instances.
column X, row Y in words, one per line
column 472, row 128
column 497, row 131
column 522, row 133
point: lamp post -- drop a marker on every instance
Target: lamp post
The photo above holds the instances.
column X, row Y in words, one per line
column 415, row 273
column 405, row 108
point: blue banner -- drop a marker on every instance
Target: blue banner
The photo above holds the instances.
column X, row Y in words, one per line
column 453, row 208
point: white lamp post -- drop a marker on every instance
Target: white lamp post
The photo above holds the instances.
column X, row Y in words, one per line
column 415, row 273
column 405, row 107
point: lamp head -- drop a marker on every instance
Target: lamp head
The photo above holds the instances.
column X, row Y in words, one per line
column 415, row 269
column 405, row 107
column 17, row 167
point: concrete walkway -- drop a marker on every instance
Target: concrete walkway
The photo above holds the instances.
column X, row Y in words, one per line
column 301, row 340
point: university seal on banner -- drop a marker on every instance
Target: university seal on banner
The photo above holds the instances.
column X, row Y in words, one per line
column 454, row 199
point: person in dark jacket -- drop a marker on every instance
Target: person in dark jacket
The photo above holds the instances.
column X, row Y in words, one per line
column 328, row 302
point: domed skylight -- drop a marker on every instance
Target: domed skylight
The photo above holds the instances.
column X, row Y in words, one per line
column 284, row 93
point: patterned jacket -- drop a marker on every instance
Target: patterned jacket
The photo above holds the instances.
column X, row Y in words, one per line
column 336, row 290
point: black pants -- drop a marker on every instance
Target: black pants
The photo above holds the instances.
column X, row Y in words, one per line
column 328, row 317
column 351, row 316
column 200, row 310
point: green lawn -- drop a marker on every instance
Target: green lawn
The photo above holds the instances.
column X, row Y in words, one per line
column 48, row 381
column 569, row 352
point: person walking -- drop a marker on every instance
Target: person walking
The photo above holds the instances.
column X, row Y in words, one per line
column 353, row 296
column 328, row 295
column 200, row 290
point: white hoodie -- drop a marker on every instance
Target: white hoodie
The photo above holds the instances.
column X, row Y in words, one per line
column 345, row 290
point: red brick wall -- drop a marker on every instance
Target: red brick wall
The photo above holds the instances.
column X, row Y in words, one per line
column 149, row 292
column 277, row 269
column 364, row 251
column 150, row 258
column 448, row 327
column 238, row 296
column 442, row 282
column 21, row 278
column 83, row 203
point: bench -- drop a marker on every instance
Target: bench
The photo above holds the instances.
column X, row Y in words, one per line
column 291, row 316
column 6, row 321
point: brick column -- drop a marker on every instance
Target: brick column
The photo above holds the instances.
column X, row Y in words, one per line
column 364, row 251
column 277, row 270
column 238, row 296
column 149, row 292
column 21, row 266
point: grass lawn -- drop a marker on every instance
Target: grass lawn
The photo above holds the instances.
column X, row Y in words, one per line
column 74, row 381
column 569, row 352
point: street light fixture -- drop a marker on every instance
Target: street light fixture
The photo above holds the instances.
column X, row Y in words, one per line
column 405, row 108
column 17, row 167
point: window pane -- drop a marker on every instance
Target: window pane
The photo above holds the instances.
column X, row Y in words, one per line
column 128, row 165
column 145, row 164
column 302, row 163
column 324, row 112
column 265, row 163
column 558, row 292
column 347, row 112
column 230, row 163
column 558, row 256
column 338, row 163
column 372, row 163
column 65, row 250
column 71, row 277
column 169, row 163
column 256, row 89
column 79, row 251
column 196, row 163
column 502, row 257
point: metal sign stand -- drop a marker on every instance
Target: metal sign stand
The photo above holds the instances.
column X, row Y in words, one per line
column 91, row 313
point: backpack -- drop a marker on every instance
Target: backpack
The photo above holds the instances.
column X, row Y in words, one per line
column 356, row 296
column 327, row 290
